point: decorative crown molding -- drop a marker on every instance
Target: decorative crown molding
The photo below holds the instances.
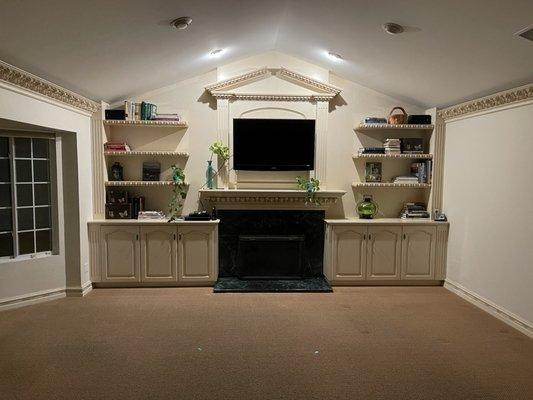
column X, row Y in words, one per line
column 516, row 95
column 25, row 80
column 223, row 89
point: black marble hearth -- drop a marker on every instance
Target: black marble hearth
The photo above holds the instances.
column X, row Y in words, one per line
column 278, row 249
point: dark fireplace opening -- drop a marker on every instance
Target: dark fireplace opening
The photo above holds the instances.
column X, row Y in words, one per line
column 270, row 257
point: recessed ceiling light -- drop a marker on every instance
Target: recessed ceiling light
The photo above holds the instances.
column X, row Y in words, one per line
column 181, row 22
column 392, row 28
column 216, row 52
column 335, row 56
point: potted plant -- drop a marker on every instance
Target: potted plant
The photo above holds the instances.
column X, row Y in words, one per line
column 311, row 186
column 222, row 151
column 178, row 193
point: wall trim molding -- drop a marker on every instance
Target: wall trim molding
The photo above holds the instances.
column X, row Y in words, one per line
column 79, row 291
column 33, row 83
column 487, row 103
column 488, row 306
column 32, row 298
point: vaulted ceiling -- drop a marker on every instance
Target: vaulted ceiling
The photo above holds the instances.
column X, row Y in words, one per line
column 451, row 51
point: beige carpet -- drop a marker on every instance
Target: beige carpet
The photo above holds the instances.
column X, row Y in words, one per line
column 188, row 343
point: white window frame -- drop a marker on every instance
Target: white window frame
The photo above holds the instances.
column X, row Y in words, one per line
column 14, row 213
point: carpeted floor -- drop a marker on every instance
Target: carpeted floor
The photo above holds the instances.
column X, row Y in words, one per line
column 188, row 343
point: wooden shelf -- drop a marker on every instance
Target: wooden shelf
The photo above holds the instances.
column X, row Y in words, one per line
column 146, row 123
column 393, row 156
column 389, row 127
column 390, row 185
column 146, row 153
column 139, row 183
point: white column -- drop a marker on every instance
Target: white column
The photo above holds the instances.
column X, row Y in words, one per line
column 321, row 128
column 223, row 136
column 97, row 154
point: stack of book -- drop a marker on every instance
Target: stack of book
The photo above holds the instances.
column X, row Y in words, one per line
column 374, row 120
column 116, row 146
column 151, row 215
column 422, row 171
column 392, row 146
column 405, row 179
column 414, row 210
column 167, row 117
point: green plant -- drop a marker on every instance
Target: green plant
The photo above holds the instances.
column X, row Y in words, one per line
column 178, row 193
column 220, row 150
column 311, row 186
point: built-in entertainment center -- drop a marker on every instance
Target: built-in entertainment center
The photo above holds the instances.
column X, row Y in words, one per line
column 268, row 235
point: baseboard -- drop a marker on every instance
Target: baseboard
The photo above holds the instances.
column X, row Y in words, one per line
column 79, row 291
column 32, row 298
column 486, row 305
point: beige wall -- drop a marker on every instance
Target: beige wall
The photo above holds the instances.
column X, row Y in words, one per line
column 24, row 278
column 199, row 110
column 488, row 196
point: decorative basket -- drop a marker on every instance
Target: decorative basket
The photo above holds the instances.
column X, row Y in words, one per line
column 397, row 119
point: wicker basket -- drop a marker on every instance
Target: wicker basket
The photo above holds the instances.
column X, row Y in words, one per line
column 397, row 119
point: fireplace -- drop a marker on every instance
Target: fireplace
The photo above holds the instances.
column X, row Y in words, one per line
column 271, row 243
column 270, row 257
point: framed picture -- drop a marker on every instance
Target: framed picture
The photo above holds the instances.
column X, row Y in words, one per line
column 373, row 172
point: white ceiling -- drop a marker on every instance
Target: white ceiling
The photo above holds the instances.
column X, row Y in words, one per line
column 452, row 50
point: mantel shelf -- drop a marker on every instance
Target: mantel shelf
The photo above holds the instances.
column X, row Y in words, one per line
column 268, row 198
column 139, row 183
column 146, row 123
column 393, row 156
column 390, row 127
column 146, row 153
column 390, row 185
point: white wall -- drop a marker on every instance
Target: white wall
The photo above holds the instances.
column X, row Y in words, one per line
column 199, row 110
column 488, row 196
column 23, row 278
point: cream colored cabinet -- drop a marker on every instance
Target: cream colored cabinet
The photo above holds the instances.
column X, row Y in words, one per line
column 197, row 253
column 120, row 254
column 384, row 252
column 418, row 252
column 158, row 254
column 348, row 252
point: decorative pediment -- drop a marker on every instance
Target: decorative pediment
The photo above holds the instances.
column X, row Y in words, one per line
column 232, row 88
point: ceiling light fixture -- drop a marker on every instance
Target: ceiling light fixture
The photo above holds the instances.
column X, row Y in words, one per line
column 335, row 56
column 392, row 28
column 216, row 52
column 181, row 23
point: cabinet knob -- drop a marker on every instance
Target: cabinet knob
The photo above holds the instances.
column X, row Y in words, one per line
column 174, row 236
column 404, row 236
column 137, row 237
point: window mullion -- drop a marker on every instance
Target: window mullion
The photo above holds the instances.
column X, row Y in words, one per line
column 14, row 217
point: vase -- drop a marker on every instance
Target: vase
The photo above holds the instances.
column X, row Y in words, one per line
column 209, row 175
column 367, row 208
column 117, row 172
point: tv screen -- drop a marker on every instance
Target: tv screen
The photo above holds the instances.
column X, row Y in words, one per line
column 273, row 144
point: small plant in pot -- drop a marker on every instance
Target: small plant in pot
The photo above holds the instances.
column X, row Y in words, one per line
column 222, row 151
column 311, row 186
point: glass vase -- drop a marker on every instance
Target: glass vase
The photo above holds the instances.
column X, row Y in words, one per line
column 210, row 175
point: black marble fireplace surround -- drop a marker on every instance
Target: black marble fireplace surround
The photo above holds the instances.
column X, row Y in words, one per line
column 271, row 250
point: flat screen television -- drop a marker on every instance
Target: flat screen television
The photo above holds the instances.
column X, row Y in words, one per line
column 273, row 144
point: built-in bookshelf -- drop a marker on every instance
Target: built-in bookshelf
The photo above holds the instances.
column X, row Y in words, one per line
column 161, row 141
column 388, row 194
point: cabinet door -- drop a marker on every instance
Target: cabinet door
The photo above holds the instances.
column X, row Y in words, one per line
column 158, row 254
column 120, row 253
column 197, row 253
column 348, row 252
column 418, row 252
column 383, row 252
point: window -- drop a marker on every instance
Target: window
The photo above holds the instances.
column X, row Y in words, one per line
column 25, row 197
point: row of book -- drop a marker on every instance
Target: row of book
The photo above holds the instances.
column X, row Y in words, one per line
column 397, row 146
column 422, row 171
column 414, row 210
column 145, row 111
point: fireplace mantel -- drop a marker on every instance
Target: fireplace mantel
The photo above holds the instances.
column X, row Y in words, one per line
column 281, row 199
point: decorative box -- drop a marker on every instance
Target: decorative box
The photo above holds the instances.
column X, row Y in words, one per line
column 117, row 196
column 419, row 119
column 118, row 211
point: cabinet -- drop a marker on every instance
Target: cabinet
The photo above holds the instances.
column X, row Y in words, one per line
column 197, row 253
column 384, row 252
column 418, row 252
column 120, row 254
column 158, row 254
column 357, row 251
column 147, row 253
